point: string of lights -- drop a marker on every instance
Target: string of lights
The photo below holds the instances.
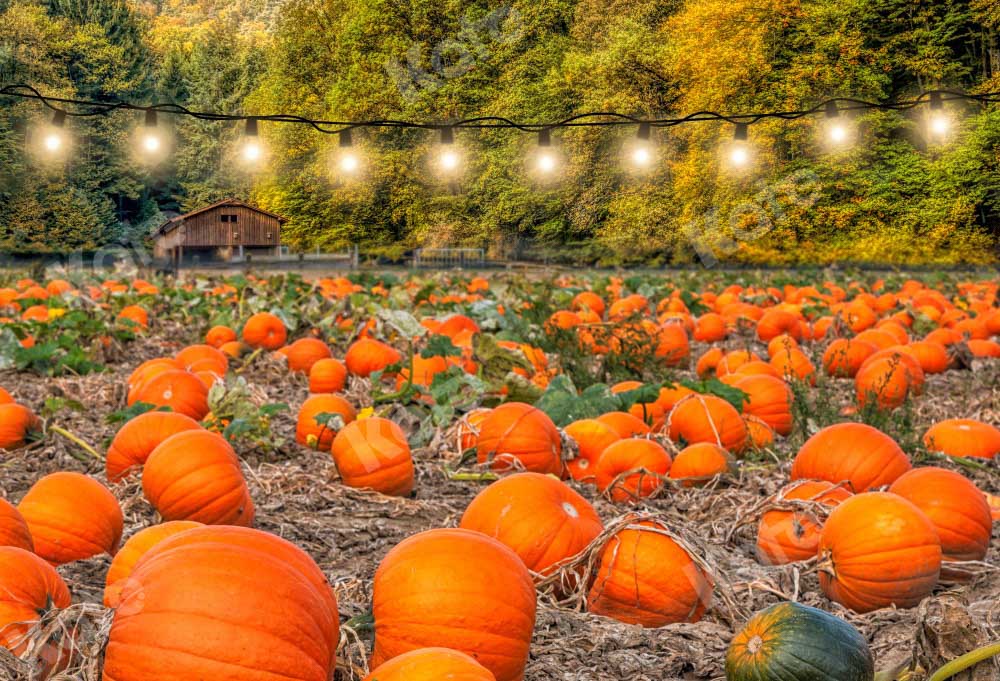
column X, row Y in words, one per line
column 837, row 112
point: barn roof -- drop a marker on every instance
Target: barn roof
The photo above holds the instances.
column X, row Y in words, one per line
column 176, row 222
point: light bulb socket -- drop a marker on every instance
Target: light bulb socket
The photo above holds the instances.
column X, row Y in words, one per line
column 742, row 132
column 448, row 135
column 645, row 132
column 831, row 110
column 253, row 129
column 59, row 119
column 545, row 137
column 151, row 119
column 937, row 104
column 346, row 141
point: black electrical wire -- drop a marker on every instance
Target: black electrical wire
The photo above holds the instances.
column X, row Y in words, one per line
column 77, row 108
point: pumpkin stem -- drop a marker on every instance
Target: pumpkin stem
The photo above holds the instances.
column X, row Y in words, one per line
column 960, row 664
column 471, row 477
column 78, row 442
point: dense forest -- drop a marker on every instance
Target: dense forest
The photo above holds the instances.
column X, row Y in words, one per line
column 893, row 197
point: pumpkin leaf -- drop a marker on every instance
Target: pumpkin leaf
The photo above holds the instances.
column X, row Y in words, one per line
column 404, row 323
column 9, row 345
column 133, row 410
column 497, row 362
column 440, row 346
column 714, row 386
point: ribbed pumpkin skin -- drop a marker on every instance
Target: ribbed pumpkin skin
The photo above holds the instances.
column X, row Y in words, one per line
column 955, row 505
column 205, row 356
column 195, row 475
column 180, row 390
column 137, row 439
column 265, row 330
column 631, row 454
column 218, row 336
column 28, row 586
column 789, row 536
column 646, row 578
column 592, row 437
column 13, row 530
column 16, row 423
column 541, row 519
column 625, row 424
column 72, row 517
column 431, row 664
column 368, row 355
column 964, row 437
column 310, row 433
column 770, row 400
column 696, row 464
column 305, row 352
column 517, row 435
column 881, row 550
column 327, row 375
column 137, row 546
column 793, row 642
column 459, row 589
column 373, row 453
column 707, row 418
column 224, row 603
column 844, row 357
column 857, row 453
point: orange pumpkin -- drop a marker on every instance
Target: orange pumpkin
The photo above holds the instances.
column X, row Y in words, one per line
column 590, row 301
column 180, row 390
column 17, row 425
column 373, row 453
column 844, row 357
column 769, row 399
column 218, row 336
column 647, row 458
column 71, row 517
column 431, row 664
column 876, row 550
column 793, row 364
column 327, row 375
column 709, row 362
column 421, row 598
column 775, row 322
column 367, row 355
column 645, row 577
column 30, row 589
column 13, row 530
column 148, row 370
column 5, row 397
column 710, row 328
column 195, row 475
column 311, row 433
column 707, row 418
column 305, row 352
column 243, row 605
column 955, row 506
column 759, row 434
column 204, row 358
column 789, row 536
column 699, row 463
column 265, row 330
column 541, row 519
column 855, row 453
column 625, row 424
column 469, row 425
column 518, row 436
column 134, row 317
column 592, row 437
column 963, row 437
column 885, row 381
column 135, row 548
column 137, row 439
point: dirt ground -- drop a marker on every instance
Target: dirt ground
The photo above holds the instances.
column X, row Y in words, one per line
column 349, row 531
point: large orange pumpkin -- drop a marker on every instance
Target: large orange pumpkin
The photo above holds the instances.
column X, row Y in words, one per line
column 72, row 517
column 29, row 589
column 789, row 536
column 265, row 330
column 367, row 355
column 327, row 375
column 147, row 370
column 707, row 418
column 195, row 475
column 592, row 437
column 645, row 577
column 876, row 550
column 541, row 519
column 855, row 453
column 885, row 381
column 137, row 439
column 137, row 546
column 224, row 603
column 373, row 453
column 13, row 530
column 431, row 664
column 963, row 437
column 769, row 399
column 696, row 464
column 647, row 458
column 519, row 436
column 180, row 390
column 17, row 424
column 955, row 505
column 311, row 433
column 459, row 589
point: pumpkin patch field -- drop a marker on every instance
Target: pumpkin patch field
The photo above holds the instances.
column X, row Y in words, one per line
column 787, row 476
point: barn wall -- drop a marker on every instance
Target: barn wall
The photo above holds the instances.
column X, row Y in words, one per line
column 252, row 229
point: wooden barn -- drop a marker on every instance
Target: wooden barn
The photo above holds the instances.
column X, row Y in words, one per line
column 225, row 231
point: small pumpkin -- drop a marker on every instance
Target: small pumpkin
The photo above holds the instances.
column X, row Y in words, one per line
column 327, row 375
column 540, row 518
column 963, row 437
column 645, row 577
column 421, row 597
column 305, row 352
column 203, row 358
column 180, row 390
column 265, row 330
column 955, row 505
column 218, row 336
column 311, row 433
column 373, row 453
column 195, row 475
column 699, row 463
column 13, row 530
column 855, row 453
column 876, row 550
column 646, row 458
column 431, row 664
column 789, row 536
column 592, row 437
column 137, row 546
column 137, row 439
column 844, row 357
column 17, row 425
column 367, row 355
column 72, row 517
column 794, row 642
column 518, row 436
column 707, row 418
column 776, row 322
column 793, row 364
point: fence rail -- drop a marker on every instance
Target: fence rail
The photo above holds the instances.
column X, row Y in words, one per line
column 448, row 258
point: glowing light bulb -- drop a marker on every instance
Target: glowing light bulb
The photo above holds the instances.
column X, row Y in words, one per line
column 349, row 163
column 53, row 142
column 837, row 133
column 449, row 160
column 940, row 125
column 252, row 151
column 739, row 156
column 151, row 143
column 547, row 163
column 642, row 157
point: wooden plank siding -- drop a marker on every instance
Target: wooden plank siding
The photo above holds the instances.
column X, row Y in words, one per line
column 250, row 229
